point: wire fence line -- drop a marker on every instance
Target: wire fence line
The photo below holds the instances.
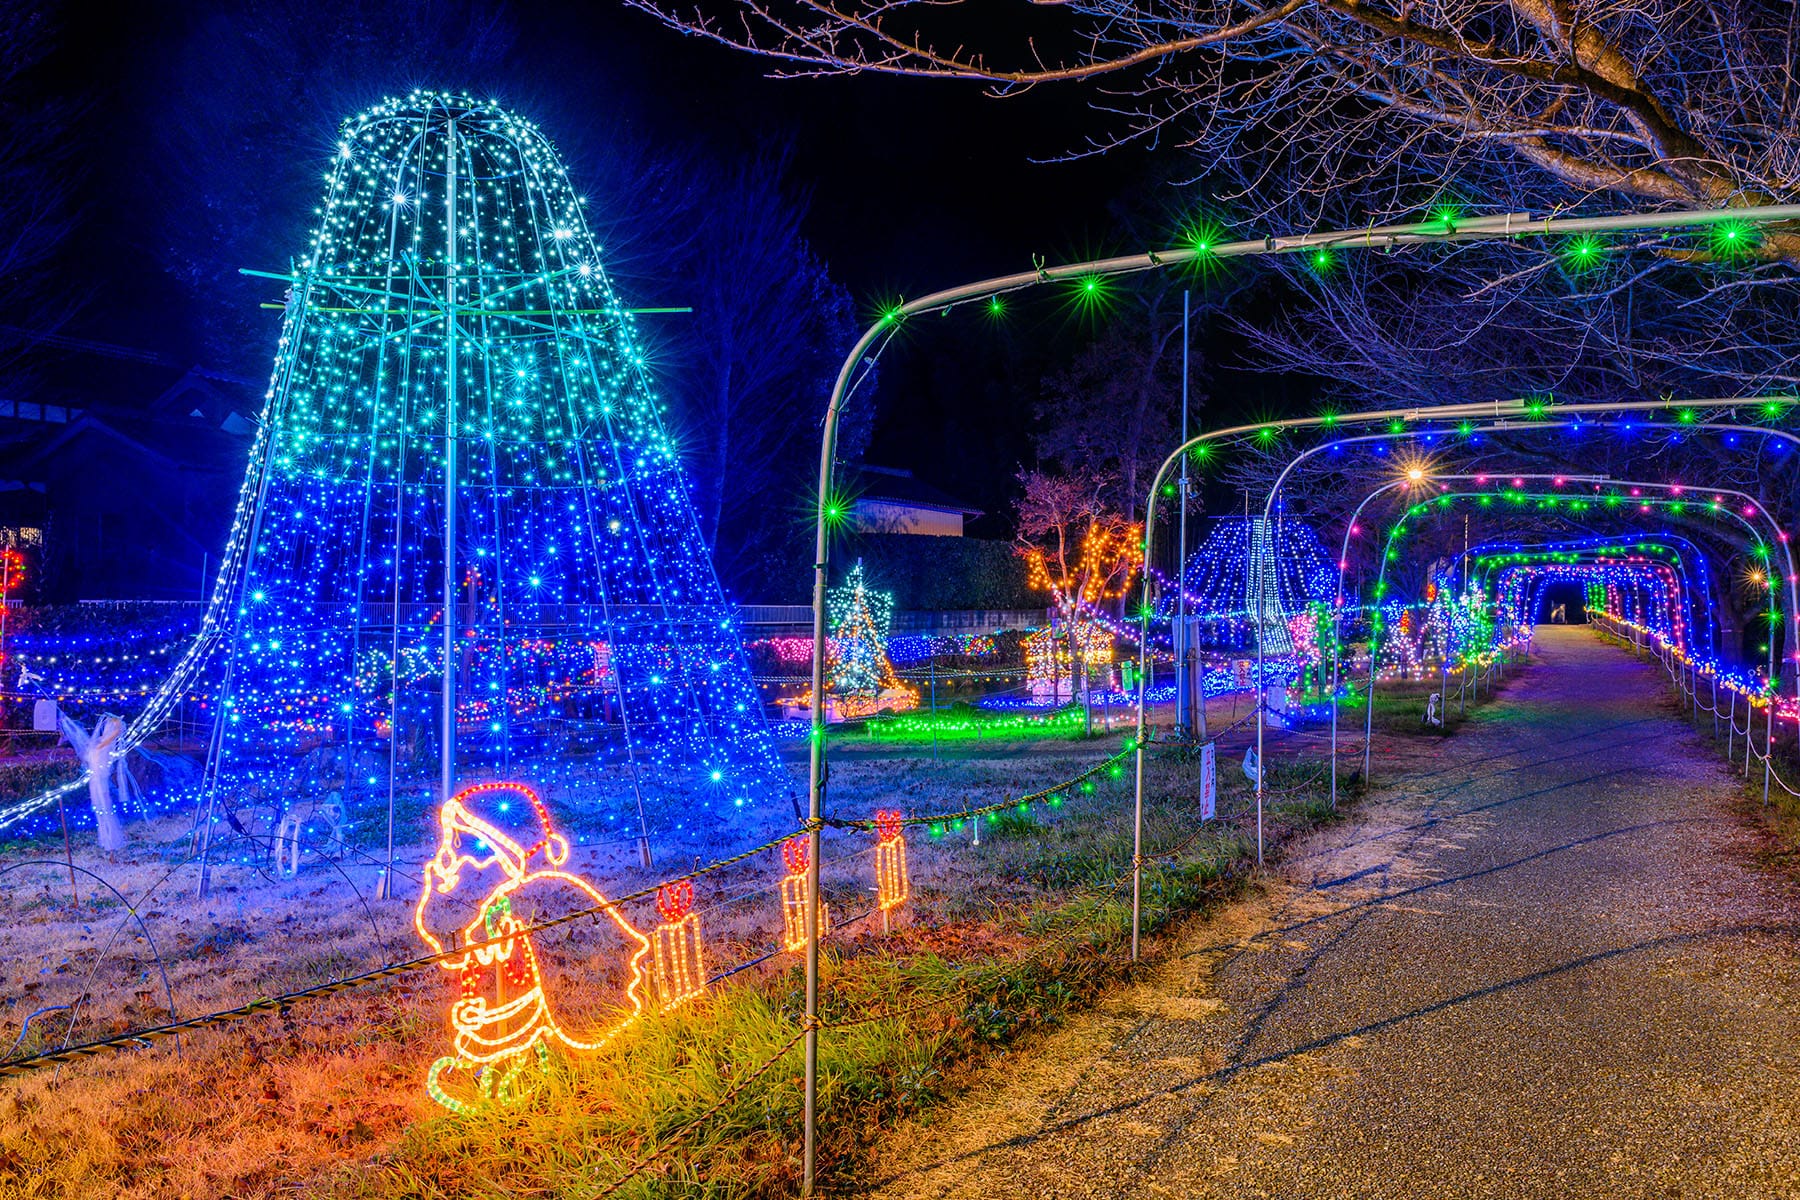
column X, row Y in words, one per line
column 1088, row 906
column 956, row 994
column 668, row 1145
column 149, row 1035
column 1672, row 660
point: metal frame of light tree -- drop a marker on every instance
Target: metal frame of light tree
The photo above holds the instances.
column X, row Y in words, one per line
column 1199, row 250
column 1400, row 524
column 569, row 267
column 1498, row 416
column 601, row 355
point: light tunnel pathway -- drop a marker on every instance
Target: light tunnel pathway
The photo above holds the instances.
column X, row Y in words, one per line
column 1541, row 962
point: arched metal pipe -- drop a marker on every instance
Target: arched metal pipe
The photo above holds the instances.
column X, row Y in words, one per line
column 1343, row 566
column 1369, row 716
column 1496, row 415
column 1794, row 619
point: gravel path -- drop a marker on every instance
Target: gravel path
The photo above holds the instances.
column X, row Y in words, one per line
column 1546, row 965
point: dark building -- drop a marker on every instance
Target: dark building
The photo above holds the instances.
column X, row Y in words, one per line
column 114, row 503
column 891, row 500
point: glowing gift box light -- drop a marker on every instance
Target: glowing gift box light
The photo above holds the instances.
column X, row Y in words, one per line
column 680, row 962
column 795, row 855
column 891, row 884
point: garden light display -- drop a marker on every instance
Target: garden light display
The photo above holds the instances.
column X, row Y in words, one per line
column 679, row 961
column 501, row 1020
column 796, row 857
column 918, row 648
column 1397, row 654
column 860, row 618
column 861, row 674
column 1055, row 656
column 12, row 579
column 466, row 533
column 891, row 884
column 122, row 680
column 1315, row 644
column 993, row 717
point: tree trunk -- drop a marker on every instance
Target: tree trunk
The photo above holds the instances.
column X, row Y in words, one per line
column 713, row 511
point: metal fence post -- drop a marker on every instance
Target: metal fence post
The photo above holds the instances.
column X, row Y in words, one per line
column 1749, row 733
column 1731, row 728
column 1768, row 749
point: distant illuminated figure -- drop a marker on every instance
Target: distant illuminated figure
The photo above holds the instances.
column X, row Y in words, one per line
column 502, row 1022
column 1559, row 615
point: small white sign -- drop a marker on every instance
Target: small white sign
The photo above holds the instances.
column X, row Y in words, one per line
column 1209, row 782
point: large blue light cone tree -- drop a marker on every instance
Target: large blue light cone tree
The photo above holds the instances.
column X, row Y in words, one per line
column 465, row 466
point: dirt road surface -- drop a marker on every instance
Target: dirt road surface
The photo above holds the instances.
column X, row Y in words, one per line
column 1548, row 964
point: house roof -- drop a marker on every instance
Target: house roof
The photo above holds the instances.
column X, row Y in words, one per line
column 34, row 453
column 894, row 485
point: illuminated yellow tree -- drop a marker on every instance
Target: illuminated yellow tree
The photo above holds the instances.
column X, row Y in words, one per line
column 1076, row 548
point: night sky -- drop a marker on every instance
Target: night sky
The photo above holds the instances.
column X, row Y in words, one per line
column 916, row 184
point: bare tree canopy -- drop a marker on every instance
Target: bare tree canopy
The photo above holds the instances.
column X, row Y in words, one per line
column 35, row 186
column 1302, row 112
column 1657, row 100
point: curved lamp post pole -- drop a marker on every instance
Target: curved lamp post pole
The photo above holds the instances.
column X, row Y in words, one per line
column 1415, row 476
column 1268, row 507
column 1501, row 227
column 1337, row 621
